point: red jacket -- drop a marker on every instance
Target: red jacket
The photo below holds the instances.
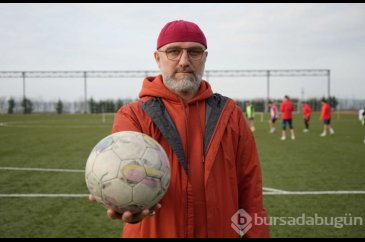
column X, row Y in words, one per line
column 286, row 108
column 307, row 111
column 325, row 112
column 224, row 179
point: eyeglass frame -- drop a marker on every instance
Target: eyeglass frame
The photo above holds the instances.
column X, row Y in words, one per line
column 181, row 53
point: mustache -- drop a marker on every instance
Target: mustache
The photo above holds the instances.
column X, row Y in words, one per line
column 184, row 69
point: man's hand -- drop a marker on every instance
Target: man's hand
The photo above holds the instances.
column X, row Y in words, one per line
column 91, row 198
column 127, row 216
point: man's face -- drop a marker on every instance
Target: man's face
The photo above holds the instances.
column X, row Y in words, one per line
column 182, row 72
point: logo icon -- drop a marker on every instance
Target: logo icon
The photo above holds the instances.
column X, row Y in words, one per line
column 241, row 222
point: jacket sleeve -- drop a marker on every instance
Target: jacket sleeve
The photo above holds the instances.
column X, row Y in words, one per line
column 126, row 119
column 250, row 182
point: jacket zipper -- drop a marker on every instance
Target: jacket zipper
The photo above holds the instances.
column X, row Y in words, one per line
column 187, row 177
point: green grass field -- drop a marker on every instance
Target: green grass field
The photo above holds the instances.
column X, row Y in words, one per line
column 309, row 163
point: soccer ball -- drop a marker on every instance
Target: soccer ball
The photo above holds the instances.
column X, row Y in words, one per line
column 127, row 171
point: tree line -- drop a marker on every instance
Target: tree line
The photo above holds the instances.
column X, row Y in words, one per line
column 28, row 106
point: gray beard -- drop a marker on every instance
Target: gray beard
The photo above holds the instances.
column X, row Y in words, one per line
column 185, row 84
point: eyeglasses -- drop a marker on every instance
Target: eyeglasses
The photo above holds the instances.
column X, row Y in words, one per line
column 175, row 53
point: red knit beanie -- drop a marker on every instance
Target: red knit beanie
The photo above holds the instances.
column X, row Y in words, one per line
column 181, row 31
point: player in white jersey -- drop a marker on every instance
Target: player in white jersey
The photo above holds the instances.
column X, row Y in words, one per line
column 274, row 114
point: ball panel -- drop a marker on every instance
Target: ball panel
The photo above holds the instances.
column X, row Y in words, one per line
column 132, row 172
column 94, row 186
column 106, row 165
column 146, row 192
column 165, row 163
column 104, row 144
column 116, row 194
column 90, row 162
column 127, row 150
column 150, row 142
column 151, row 158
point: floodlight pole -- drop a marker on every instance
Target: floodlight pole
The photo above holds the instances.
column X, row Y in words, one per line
column 268, row 90
column 85, row 92
column 23, row 75
column 24, row 102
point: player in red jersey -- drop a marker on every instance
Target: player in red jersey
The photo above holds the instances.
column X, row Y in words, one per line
column 326, row 118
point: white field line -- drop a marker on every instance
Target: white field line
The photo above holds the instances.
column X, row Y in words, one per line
column 267, row 190
column 314, row 193
column 42, row 195
column 54, row 126
column 273, row 191
column 39, row 169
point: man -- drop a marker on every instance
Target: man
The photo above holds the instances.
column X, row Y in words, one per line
column 363, row 120
column 326, row 118
column 361, row 116
column 286, row 108
column 273, row 116
column 307, row 112
column 250, row 114
column 215, row 170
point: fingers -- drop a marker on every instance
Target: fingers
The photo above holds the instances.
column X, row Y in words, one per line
column 129, row 217
column 91, row 197
column 156, row 207
column 113, row 215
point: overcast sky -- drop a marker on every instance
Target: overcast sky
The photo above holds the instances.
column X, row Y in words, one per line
column 240, row 36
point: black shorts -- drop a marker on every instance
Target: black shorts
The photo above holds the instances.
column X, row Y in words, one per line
column 327, row 121
column 285, row 121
